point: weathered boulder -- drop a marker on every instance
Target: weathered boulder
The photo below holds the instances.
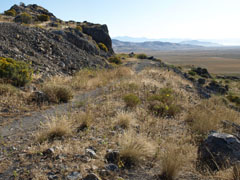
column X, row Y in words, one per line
column 218, row 151
column 217, row 88
column 202, row 72
column 99, row 33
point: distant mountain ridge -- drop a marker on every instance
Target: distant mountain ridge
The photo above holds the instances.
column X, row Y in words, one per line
column 121, row 46
column 201, row 43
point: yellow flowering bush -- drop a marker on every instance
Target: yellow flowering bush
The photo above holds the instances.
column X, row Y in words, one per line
column 103, row 47
column 17, row 73
column 164, row 103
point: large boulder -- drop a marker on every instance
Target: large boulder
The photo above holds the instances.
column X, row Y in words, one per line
column 99, row 33
column 217, row 87
column 202, row 72
column 219, row 151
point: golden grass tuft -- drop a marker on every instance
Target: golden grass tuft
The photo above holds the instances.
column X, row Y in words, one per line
column 124, row 120
column 57, row 93
column 172, row 161
column 135, row 148
column 56, row 127
column 83, row 120
column 208, row 115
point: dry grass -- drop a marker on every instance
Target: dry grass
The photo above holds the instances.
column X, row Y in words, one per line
column 236, row 172
column 83, row 120
column 87, row 79
column 56, row 127
column 172, row 161
column 135, row 148
column 124, row 120
column 57, row 93
column 208, row 115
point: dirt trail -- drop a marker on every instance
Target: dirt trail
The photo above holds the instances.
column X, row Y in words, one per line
column 29, row 123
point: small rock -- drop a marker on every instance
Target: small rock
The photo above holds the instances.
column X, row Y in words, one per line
column 219, row 150
column 111, row 167
column 201, row 81
column 48, row 152
column 91, row 153
column 112, row 156
column 91, row 177
column 52, row 176
column 74, row 176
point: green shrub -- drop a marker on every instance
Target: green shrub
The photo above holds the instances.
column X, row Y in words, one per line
column 7, row 89
column 16, row 72
column 103, row 47
column 43, row 17
column 79, row 28
column 115, row 60
column 234, row 98
column 25, row 18
column 131, row 100
column 192, row 73
column 141, row 56
column 10, row 12
column 163, row 103
column 57, row 93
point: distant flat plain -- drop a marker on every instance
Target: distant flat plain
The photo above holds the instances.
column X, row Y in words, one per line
column 222, row 60
column 218, row 60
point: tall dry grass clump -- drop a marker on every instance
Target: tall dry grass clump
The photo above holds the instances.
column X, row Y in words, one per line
column 208, row 116
column 88, row 79
column 172, row 161
column 56, row 127
column 135, row 148
column 124, row 120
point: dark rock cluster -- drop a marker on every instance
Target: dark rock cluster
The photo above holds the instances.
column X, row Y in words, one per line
column 54, row 50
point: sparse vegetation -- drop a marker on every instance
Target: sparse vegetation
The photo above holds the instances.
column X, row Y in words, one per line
column 192, row 73
column 15, row 72
column 115, row 60
column 56, row 127
column 7, row 89
column 134, row 149
column 43, row 17
column 57, row 93
column 103, row 47
column 124, row 120
column 234, row 98
column 141, row 56
column 164, row 103
column 172, row 161
column 25, row 18
column 79, row 28
column 10, row 12
column 131, row 100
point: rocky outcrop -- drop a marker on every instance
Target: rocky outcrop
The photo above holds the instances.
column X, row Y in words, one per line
column 218, row 151
column 64, row 48
column 99, row 33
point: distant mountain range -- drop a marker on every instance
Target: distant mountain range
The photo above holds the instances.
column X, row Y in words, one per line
column 122, row 46
column 201, row 42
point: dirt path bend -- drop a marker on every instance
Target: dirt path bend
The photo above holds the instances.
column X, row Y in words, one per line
column 27, row 124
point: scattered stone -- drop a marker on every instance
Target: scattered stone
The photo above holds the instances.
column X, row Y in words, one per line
column 91, row 153
column 52, row 176
column 74, row 176
column 111, row 167
column 112, row 156
column 201, row 81
column 48, row 152
column 202, row 72
column 218, row 151
column 217, row 88
column 91, row 177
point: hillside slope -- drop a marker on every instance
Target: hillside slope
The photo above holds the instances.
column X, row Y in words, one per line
column 53, row 46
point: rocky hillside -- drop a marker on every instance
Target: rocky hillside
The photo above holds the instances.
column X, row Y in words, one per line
column 31, row 33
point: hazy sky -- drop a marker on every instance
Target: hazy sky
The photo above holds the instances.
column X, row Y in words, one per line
column 196, row 19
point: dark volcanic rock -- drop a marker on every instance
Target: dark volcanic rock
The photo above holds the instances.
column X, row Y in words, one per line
column 202, row 72
column 50, row 52
column 99, row 33
column 219, row 150
column 217, row 88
